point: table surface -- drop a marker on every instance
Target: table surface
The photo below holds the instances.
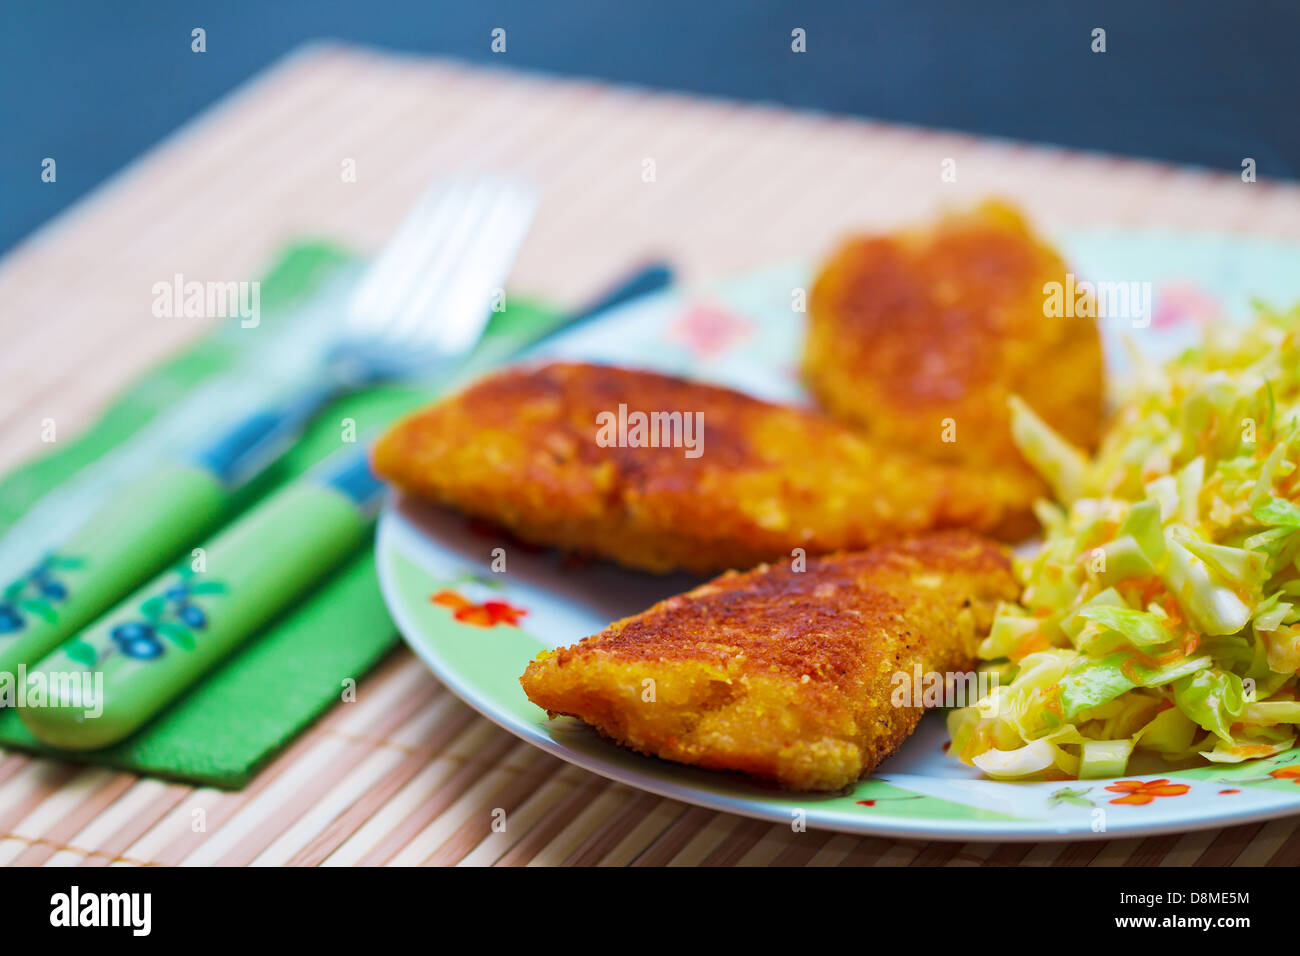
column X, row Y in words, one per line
column 408, row 774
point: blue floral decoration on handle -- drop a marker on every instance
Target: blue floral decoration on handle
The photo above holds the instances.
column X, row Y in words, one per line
column 36, row 593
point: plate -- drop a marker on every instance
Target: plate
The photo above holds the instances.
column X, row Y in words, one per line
column 476, row 607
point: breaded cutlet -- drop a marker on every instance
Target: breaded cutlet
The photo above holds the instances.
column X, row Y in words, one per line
column 520, row 449
column 783, row 674
column 922, row 335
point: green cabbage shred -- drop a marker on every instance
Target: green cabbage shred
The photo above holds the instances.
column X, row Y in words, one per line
column 1161, row 615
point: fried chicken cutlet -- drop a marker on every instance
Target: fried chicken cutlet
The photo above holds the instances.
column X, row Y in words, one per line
column 919, row 338
column 521, row 448
column 783, row 674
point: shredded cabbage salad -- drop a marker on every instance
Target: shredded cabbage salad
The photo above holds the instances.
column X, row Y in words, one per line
column 1162, row 613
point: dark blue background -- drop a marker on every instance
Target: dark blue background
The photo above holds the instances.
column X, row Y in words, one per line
column 94, row 83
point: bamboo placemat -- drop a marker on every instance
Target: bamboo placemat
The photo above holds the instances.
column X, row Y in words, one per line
column 408, row 774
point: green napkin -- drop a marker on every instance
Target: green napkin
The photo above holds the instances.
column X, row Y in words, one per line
column 258, row 700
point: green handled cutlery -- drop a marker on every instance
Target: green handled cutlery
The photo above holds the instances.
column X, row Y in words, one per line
column 112, row 678
column 420, row 307
column 106, row 682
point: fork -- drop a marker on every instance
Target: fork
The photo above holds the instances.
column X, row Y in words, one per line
column 420, row 306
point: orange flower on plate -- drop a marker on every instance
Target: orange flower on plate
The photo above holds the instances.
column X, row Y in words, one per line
column 487, row 614
column 1139, row 793
column 1291, row 773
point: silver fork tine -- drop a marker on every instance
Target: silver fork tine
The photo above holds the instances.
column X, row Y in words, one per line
column 384, row 286
column 452, row 320
column 425, row 296
column 424, row 288
column 468, row 309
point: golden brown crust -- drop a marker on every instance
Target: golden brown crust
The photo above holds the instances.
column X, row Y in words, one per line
column 910, row 329
column 784, row 674
column 519, row 448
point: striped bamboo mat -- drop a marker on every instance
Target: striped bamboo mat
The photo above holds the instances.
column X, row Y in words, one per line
column 408, row 774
